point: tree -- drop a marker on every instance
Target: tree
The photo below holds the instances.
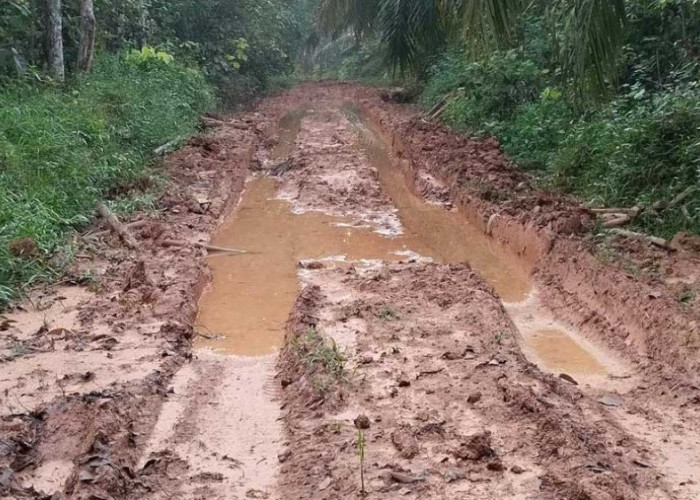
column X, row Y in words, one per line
column 592, row 31
column 53, row 26
column 88, row 29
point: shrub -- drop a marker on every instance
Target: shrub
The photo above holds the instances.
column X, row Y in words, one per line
column 61, row 151
column 639, row 150
column 487, row 92
column 537, row 129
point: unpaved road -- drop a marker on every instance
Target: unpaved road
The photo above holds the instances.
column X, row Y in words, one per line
column 393, row 270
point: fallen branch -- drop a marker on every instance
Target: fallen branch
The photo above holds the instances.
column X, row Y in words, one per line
column 617, row 221
column 213, row 122
column 626, row 211
column 437, row 110
column 210, row 248
column 614, row 217
column 681, row 197
column 117, row 226
column 130, row 226
column 661, row 206
column 659, row 242
column 282, row 168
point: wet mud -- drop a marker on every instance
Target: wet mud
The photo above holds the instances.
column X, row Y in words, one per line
column 391, row 271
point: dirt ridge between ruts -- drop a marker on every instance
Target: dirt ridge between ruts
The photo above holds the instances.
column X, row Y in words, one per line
column 456, row 410
column 85, row 441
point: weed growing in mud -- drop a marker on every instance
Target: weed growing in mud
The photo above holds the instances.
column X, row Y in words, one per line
column 386, row 313
column 687, row 297
column 501, row 337
column 362, row 424
column 361, row 445
column 323, row 358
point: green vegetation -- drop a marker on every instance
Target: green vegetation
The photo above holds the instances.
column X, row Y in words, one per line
column 323, row 358
column 600, row 99
column 79, row 122
column 62, row 151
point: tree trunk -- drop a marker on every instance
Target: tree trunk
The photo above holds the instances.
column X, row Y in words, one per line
column 54, row 38
column 142, row 37
column 88, row 29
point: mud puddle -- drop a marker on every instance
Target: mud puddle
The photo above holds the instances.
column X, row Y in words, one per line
column 452, row 240
column 245, row 309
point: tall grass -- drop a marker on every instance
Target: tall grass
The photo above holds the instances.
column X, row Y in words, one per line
column 64, row 149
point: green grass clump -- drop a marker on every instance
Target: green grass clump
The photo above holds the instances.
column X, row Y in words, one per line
column 323, row 358
column 62, row 150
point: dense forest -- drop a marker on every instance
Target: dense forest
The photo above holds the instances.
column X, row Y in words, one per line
column 596, row 98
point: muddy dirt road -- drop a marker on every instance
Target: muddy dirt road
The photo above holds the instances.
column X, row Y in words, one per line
column 405, row 294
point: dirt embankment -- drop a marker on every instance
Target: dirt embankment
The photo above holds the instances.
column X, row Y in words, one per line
column 86, row 365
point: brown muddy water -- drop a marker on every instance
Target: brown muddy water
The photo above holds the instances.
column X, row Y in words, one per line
column 245, row 309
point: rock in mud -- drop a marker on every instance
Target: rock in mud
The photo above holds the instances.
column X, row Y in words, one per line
column 516, row 469
column 474, row 398
column 568, row 378
column 477, row 447
column 325, row 484
column 403, row 478
column 495, row 466
column 454, row 475
column 362, row 422
column 405, row 442
column 284, row 456
column 610, row 400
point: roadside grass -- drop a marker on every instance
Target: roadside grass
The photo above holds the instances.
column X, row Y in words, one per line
column 62, row 150
column 638, row 149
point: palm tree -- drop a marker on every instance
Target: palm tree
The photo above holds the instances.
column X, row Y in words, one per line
column 591, row 31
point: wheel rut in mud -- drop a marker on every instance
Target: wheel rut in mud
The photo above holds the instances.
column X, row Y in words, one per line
column 390, row 270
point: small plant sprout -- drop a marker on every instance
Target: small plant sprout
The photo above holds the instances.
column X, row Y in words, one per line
column 500, row 337
column 362, row 424
column 386, row 313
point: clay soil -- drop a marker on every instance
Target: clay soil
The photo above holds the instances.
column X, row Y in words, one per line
column 416, row 363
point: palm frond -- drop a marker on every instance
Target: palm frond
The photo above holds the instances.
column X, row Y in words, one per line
column 411, row 29
column 489, row 23
column 338, row 16
column 594, row 34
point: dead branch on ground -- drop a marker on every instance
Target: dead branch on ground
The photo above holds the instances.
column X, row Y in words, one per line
column 117, row 226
